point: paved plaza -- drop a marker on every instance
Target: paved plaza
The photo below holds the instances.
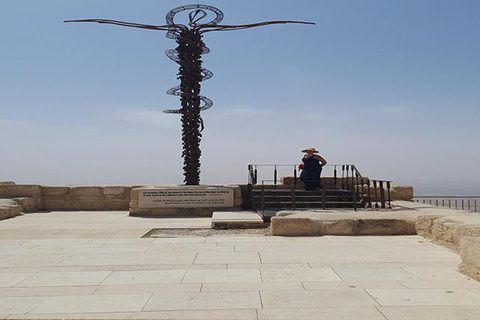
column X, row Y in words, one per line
column 96, row 265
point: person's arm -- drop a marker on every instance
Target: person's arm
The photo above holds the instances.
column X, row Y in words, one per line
column 323, row 161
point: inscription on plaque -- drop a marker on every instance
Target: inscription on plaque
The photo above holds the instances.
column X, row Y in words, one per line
column 186, row 198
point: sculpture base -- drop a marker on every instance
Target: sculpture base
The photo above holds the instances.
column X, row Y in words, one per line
column 203, row 200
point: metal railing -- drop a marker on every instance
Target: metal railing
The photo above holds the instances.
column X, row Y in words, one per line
column 470, row 203
column 345, row 177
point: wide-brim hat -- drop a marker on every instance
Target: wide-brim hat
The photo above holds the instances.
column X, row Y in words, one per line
column 311, row 150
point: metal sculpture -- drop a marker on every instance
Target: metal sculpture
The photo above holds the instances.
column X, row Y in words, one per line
column 188, row 55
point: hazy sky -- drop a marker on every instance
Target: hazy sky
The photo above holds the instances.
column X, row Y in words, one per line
column 391, row 86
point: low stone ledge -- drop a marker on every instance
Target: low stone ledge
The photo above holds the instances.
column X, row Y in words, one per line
column 293, row 225
column 470, row 255
column 28, row 204
column 9, row 208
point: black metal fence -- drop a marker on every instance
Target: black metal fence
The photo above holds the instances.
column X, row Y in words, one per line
column 470, row 203
column 372, row 193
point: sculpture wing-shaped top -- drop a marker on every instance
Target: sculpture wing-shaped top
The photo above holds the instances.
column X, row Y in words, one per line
column 246, row 26
column 129, row 24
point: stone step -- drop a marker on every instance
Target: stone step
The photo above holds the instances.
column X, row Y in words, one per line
column 9, row 208
column 236, row 219
column 311, row 204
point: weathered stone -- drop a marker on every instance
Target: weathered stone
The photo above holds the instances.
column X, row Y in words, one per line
column 7, row 183
column 9, row 209
column 291, row 227
column 57, row 205
column 443, row 231
column 117, row 205
column 48, row 191
column 88, row 205
column 20, row 190
column 114, row 190
column 470, row 254
column 339, row 227
column 28, row 204
column 86, row 190
column 423, row 225
column 384, row 227
column 116, row 197
column 401, row 193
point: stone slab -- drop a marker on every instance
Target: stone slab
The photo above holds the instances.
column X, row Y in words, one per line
column 100, row 315
column 470, row 254
column 232, row 314
column 144, row 277
column 236, row 219
column 315, row 299
column 317, row 274
column 431, row 312
column 252, row 286
column 214, row 276
column 93, row 303
column 424, row 297
column 55, row 279
column 203, row 301
column 330, row 313
column 19, row 305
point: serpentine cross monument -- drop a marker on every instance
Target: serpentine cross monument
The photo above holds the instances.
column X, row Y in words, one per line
column 188, row 55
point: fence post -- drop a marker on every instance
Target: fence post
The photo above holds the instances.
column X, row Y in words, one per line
column 275, row 176
column 335, row 177
column 324, row 199
column 294, row 186
column 389, row 198
column 382, row 195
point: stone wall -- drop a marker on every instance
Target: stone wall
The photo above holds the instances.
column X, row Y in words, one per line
column 87, row 198
column 35, row 197
column 30, row 195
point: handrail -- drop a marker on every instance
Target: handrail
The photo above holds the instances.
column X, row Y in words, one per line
column 464, row 206
column 351, row 179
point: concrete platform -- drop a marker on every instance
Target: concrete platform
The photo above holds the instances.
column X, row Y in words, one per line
column 458, row 230
column 80, row 265
column 236, row 219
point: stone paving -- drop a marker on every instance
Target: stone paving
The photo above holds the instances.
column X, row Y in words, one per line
column 96, row 265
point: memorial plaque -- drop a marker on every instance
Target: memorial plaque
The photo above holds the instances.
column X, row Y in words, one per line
column 186, row 197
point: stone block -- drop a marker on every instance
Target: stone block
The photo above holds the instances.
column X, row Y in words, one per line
column 117, row 197
column 7, row 182
column 47, row 191
column 470, row 255
column 443, row 231
column 385, row 227
column 88, row 205
column 291, row 227
column 20, row 190
column 117, row 205
column 9, row 208
column 28, row 204
column 137, row 212
column 57, row 205
column 86, row 190
column 134, row 194
column 87, row 198
column 114, row 190
column 401, row 193
column 55, row 193
column 424, row 224
column 339, row 227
